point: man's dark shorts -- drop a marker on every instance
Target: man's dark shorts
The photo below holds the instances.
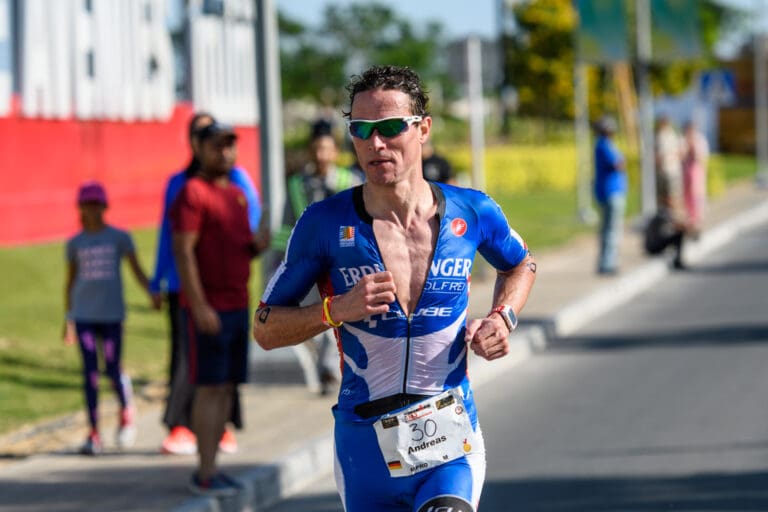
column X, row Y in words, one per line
column 222, row 358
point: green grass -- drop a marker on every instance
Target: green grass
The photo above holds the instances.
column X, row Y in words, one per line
column 544, row 218
column 40, row 376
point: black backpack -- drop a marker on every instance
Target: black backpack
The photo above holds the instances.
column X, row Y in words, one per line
column 659, row 232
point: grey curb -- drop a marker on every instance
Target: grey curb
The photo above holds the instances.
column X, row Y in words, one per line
column 265, row 486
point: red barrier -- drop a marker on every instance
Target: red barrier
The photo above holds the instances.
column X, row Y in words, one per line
column 42, row 163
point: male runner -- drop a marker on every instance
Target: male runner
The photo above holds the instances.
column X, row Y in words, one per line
column 392, row 260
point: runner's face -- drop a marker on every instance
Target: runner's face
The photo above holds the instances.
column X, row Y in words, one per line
column 388, row 160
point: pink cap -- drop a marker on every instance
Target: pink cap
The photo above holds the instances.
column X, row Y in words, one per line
column 92, row 191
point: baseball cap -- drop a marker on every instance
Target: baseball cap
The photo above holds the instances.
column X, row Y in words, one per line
column 92, row 191
column 216, row 129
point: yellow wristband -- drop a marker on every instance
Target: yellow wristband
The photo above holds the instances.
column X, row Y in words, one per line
column 327, row 320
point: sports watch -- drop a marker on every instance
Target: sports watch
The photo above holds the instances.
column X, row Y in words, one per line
column 507, row 314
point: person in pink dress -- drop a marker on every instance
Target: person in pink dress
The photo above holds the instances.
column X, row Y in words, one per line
column 695, row 157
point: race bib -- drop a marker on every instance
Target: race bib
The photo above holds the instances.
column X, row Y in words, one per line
column 430, row 433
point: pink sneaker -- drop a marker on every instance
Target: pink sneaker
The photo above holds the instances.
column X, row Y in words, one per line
column 228, row 443
column 181, row 441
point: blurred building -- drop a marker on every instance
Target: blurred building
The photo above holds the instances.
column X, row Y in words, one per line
column 737, row 121
column 492, row 71
column 103, row 89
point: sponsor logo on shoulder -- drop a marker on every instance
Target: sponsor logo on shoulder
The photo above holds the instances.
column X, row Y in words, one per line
column 346, row 236
column 458, row 227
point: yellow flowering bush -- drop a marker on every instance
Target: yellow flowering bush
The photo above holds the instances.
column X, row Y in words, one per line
column 522, row 168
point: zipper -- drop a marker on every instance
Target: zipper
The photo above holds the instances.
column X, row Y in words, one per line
column 407, row 353
column 409, row 319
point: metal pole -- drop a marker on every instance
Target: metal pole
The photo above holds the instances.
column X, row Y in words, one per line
column 761, row 108
column 647, row 164
column 476, row 111
column 275, row 362
column 271, row 120
column 583, row 161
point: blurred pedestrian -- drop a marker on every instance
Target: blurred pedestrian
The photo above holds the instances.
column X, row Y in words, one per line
column 165, row 282
column 320, row 178
column 664, row 230
column 668, row 159
column 393, row 258
column 435, row 167
column 213, row 245
column 670, row 221
column 695, row 159
column 95, row 309
column 610, row 189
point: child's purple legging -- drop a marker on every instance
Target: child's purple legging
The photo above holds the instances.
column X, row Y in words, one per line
column 111, row 337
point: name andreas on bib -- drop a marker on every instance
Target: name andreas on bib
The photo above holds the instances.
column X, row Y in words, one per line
column 428, row 435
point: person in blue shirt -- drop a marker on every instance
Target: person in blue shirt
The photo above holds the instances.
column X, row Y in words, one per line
column 165, row 281
column 610, row 194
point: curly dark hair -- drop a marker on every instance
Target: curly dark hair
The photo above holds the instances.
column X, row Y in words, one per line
column 399, row 78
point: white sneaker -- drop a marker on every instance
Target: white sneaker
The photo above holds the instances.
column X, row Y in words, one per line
column 126, row 436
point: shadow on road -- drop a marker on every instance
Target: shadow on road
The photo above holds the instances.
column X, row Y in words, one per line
column 325, row 502
column 706, row 492
column 713, row 492
column 739, row 267
column 673, row 338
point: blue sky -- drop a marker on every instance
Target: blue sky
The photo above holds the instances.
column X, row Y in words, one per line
column 458, row 17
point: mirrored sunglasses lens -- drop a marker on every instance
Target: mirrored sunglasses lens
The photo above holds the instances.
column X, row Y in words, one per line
column 391, row 127
column 361, row 129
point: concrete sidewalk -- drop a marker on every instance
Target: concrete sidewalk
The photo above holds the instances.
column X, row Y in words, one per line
column 287, row 440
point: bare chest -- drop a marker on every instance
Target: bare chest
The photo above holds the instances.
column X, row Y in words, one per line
column 407, row 253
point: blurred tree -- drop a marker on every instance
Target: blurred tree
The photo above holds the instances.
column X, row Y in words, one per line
column 317, row 62
column 308, row 66
column 715, row 19
column 539, row 57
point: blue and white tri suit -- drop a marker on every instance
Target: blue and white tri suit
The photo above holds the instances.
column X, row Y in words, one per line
column 392, row 355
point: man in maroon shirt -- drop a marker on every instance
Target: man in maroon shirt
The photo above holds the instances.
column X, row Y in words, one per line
column 213, row 247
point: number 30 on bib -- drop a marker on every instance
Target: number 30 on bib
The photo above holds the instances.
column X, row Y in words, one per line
column 430, row 433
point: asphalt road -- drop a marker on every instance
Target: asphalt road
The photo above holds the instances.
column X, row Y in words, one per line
column 660, row 405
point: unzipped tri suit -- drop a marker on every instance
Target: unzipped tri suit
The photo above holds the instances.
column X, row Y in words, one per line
column 392, row 362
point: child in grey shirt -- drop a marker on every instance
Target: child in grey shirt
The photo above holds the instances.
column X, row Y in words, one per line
column 95, row 307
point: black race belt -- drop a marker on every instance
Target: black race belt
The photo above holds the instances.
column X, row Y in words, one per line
column 387, row 404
